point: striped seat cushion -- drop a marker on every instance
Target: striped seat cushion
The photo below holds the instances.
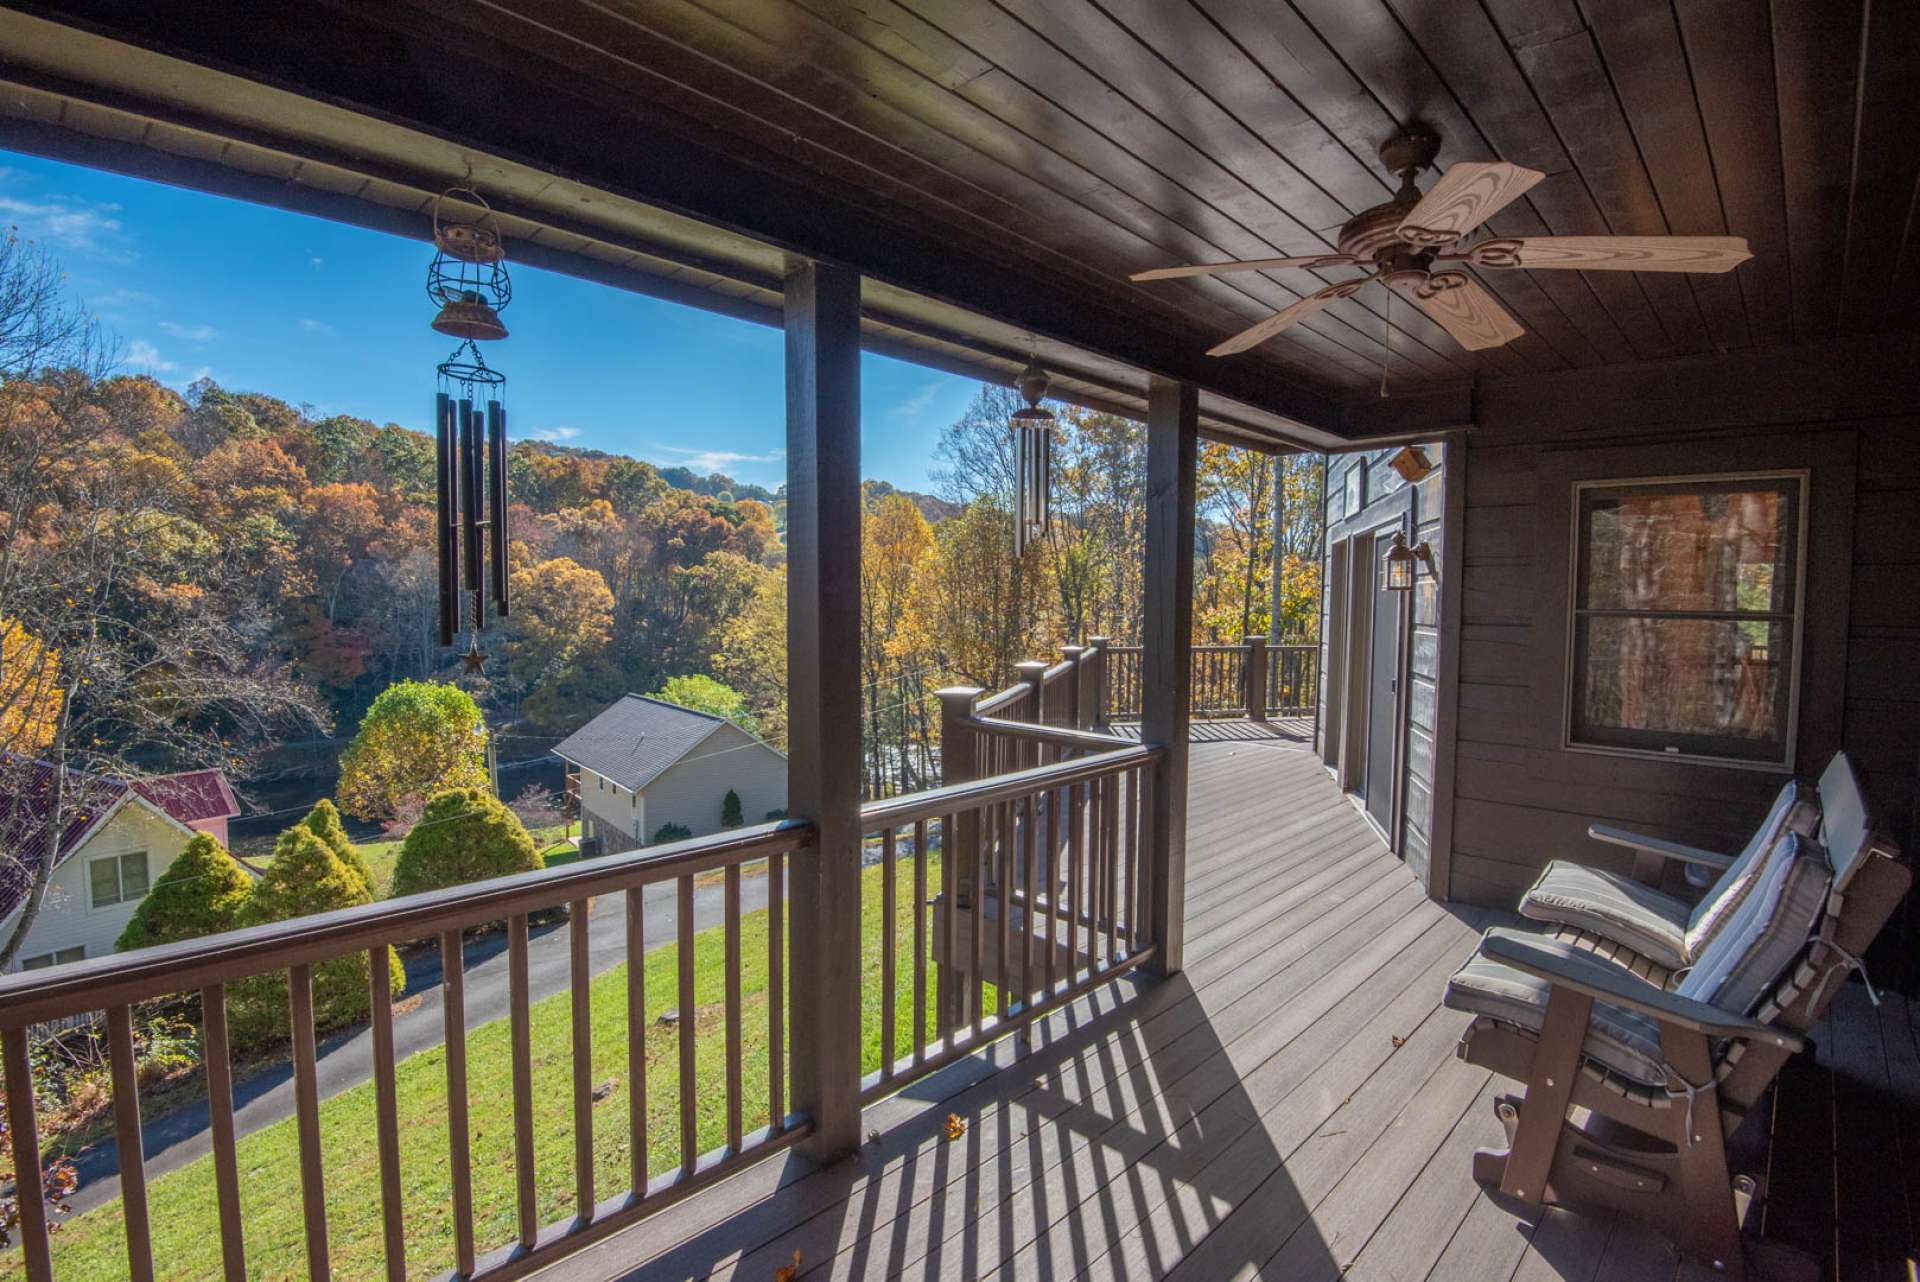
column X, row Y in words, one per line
column 1622, row 1040
column 1651, row 922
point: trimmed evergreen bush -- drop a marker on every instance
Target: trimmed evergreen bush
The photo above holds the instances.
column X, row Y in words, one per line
column 324, row 822
column 671, row 832
column 202, row 892
column 464, row 835
column 730, row 816
column 306, row 877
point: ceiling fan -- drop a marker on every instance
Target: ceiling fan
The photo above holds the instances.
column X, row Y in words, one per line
column 1403, row 244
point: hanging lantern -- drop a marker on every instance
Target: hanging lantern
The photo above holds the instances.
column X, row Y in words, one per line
column 470, row 467
column 1032, row 461
column 468, row 277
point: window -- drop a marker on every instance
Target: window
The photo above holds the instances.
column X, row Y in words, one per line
column 117, row 879
column 60, row 958
column 1686, row 616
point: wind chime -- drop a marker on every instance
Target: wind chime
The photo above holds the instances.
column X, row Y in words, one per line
column 468, row 279
column 1032, row 461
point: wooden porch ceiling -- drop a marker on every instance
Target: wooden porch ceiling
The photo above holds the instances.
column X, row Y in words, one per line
column 1015, row 160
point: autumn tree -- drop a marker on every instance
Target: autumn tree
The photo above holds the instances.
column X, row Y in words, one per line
column 894, row 540
column 752, row 657
column 417, row 739
column 704, row 694
column 557, row 638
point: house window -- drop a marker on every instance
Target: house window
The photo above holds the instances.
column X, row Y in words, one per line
column 59, row 958
column 117, row 879
column 1686, row 616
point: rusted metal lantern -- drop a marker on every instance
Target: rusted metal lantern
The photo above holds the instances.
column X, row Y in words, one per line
column 1401, row 563
column 1032, row 461
column 468, row 277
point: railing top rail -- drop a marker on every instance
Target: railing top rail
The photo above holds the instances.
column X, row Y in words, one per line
column 1057, row 671
column 995, row 702
column 32, row 997
column 895, row 811
column 1059, row 736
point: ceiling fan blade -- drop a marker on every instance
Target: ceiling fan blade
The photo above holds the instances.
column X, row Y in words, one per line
column 1254, row 335
column 1614, row 253
column 1243, row 265
column 1458, row 303
column 1467, row 195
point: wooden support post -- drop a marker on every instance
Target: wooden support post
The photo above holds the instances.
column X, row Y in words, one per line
column 1093, row 693
column 1076, row 708
column 960, row 856
column 1256, row 677
column 822, row 308
column 1173, row 437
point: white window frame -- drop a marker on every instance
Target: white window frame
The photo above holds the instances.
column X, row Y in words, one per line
column 1798, row 629
column 119, row 874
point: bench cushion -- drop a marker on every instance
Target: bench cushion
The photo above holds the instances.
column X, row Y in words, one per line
column 1622, row 1040
column 1773, row 923
column 1793, row 811
column 1651, row 922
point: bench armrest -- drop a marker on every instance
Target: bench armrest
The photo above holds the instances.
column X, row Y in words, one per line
column 1674, row 850
column 1608, row 983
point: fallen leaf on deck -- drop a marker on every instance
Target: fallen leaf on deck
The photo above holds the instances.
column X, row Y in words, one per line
column 788, row 1272
column 956, row 1126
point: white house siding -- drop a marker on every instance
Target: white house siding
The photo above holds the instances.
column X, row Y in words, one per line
column 67, row 919
column 612, row 813
column 691, row 791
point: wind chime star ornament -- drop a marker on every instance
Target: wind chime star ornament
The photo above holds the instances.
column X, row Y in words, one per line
column 1032, row 461
column 468, row 279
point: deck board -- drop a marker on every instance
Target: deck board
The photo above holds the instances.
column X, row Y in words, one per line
column 1289, row 1107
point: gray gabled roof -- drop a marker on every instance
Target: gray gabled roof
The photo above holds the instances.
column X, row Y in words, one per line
column 637, row 739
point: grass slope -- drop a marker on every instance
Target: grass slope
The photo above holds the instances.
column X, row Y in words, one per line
column 91, row 1248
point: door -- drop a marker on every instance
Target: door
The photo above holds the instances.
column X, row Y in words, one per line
column 1383, row 690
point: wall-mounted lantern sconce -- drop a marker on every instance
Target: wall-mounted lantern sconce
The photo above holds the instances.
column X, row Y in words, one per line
column 1398, row 571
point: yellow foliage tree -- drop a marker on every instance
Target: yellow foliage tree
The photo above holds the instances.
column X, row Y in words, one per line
column 30, row 695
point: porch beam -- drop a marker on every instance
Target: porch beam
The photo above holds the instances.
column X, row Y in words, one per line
column 1173, row 439
column 822, row 306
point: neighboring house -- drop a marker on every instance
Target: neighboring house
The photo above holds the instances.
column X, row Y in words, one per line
column 121, row 839
column 644, row 764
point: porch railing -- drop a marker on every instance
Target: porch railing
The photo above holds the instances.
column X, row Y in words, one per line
column 1255, row 679
column 209, row 967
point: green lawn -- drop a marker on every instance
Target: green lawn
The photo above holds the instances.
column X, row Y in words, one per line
column 382, row 855
column 186, row 1242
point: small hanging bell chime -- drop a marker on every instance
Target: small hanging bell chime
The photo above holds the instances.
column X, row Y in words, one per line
column 469, row 280
column 1032, row 462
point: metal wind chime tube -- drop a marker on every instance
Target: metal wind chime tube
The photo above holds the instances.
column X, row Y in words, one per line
column 468, row 279
column 1033, row 462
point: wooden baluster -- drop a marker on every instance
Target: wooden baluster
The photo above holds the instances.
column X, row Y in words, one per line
column 1076, row 873
column 226, row 1166
column 580, row 980
column 126, row 1134
column 776, row 992
column 977, row 911
column 1003, row 886
column 306, row 1104
column 1143, row 910
column 1110, row 881
column 889, row 946
column 1050, row 873
column 921, row 856
column 521, row 1035
column 386, row 1110
column 732, row 916
column 1030, row 914
column 637, row 1041
column 689, row 1137
column 29, row 1190
column 453, row 1015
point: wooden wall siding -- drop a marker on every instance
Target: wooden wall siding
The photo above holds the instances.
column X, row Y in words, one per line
column 1385, row 499
column 1848, row 411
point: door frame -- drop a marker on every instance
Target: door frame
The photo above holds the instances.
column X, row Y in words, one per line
column 1350, row 693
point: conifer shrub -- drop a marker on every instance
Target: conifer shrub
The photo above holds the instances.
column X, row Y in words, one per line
column 671, row 832
column 465, row 834
column 306, row 877
column 203, row 892
column 324, row 822
column 730, row 816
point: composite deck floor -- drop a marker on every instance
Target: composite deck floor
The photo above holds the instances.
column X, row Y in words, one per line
column 1289, row 1107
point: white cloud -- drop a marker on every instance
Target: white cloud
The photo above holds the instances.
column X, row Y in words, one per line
column 312, row 326
column 144, row 356
column 191, row 333
column 917, row 403
column 82, row 226
column 555, row 433
column 119, row 300
column 719, row 460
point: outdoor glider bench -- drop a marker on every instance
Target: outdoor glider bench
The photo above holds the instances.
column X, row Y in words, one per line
column 1646, row 1031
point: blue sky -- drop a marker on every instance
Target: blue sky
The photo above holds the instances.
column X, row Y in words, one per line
column 336, row 317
